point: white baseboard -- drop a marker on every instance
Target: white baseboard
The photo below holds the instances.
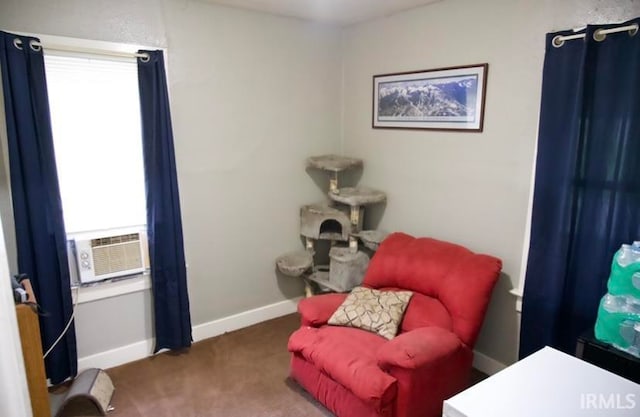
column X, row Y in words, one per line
column 144, row 348
column 486, row 364
column 244, row 319
column 117, row 356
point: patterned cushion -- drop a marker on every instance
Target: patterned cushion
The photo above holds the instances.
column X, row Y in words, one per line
column 372, row 310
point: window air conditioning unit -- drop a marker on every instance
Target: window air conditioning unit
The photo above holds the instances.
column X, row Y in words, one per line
column 110, row 256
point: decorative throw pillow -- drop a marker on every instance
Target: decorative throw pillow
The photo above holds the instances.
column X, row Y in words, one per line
column 372, row 310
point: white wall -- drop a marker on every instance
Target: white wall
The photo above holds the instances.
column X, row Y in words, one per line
column 252, row 96
column 14, row 394
column 470, row 188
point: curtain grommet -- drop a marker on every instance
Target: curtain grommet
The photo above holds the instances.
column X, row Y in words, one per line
column 634, row 29
column 145, row 58
column 17, row 43
column 35, row 46
column 557, row 41
column 599, row 36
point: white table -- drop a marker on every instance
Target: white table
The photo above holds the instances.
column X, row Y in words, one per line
column 548, row 383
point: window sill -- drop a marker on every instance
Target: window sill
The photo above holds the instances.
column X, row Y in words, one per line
column 108, row 289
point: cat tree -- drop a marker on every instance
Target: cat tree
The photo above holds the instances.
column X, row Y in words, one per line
column 339, row 221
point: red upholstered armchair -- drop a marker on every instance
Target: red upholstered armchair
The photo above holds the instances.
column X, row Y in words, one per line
column 356, row 373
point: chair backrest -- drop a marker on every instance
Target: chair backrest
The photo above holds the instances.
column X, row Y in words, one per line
column 460, row 279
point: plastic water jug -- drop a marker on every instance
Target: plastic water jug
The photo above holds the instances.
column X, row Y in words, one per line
column 619, row 323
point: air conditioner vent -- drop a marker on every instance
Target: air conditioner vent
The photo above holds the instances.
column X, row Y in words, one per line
column 110, row 240
column 109, row 256
column 116, row 258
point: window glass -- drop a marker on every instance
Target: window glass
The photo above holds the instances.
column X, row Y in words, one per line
column 95, row 116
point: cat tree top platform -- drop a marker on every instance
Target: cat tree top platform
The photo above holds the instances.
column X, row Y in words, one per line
column 358, row 196
column 333, row 163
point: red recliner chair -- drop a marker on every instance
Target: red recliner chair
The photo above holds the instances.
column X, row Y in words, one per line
column 356, row 373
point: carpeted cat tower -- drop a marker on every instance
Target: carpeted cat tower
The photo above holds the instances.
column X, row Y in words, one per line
column 338, row 221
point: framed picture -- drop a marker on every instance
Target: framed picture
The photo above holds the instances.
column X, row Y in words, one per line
column 437, row 99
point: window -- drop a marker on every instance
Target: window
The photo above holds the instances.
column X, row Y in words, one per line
column 95, row 116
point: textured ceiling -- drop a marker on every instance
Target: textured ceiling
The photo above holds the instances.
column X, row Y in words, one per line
column 341, row 12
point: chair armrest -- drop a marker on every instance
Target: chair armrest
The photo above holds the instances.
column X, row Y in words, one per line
column 418, row 348
column 317, row 310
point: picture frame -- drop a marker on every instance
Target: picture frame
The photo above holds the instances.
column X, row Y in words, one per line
column 450, row 99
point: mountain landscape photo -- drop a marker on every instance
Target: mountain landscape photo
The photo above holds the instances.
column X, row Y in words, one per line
column 425, row 99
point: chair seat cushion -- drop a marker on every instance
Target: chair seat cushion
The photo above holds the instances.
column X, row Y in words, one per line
column 348, row 356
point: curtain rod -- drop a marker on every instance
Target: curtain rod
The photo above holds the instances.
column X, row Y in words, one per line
column 36, row 46
column 599, row 34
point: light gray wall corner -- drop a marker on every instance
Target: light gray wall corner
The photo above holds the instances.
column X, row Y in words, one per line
column 468, row 188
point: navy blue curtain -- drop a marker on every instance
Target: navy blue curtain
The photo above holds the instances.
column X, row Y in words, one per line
column 37, row 208
column 166, row 249
column 587, row 184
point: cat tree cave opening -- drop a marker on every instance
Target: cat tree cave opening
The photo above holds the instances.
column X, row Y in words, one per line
column 331, row 229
